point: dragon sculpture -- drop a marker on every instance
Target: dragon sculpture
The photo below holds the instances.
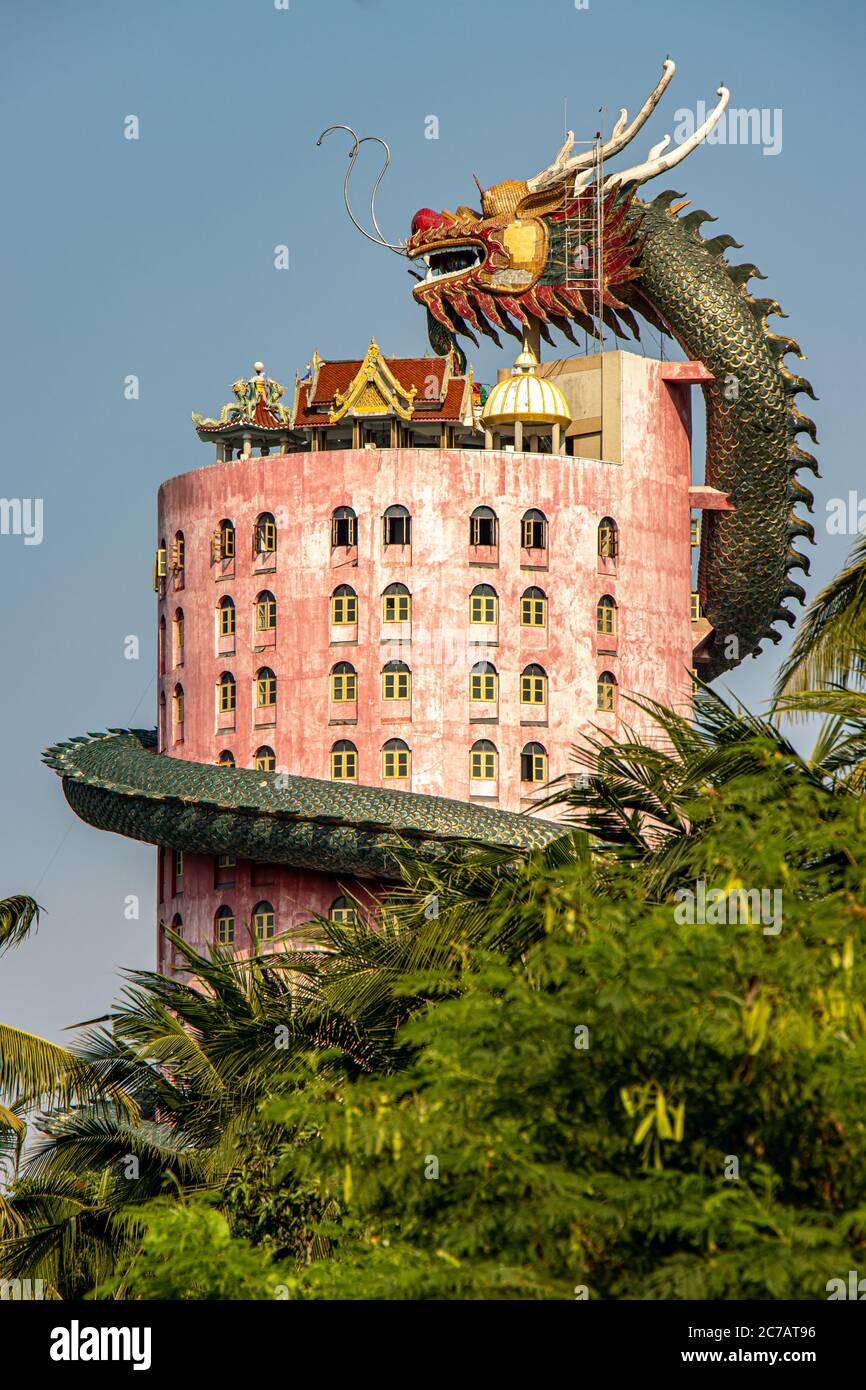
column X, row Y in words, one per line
column 510, row 267
column 513, row 266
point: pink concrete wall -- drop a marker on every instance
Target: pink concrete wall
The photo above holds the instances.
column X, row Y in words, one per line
column 646, row 494
column 295, row 894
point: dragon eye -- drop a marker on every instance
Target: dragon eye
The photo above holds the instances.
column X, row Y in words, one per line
column 425, row 219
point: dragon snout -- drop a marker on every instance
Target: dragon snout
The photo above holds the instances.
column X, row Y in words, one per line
column 426, row 219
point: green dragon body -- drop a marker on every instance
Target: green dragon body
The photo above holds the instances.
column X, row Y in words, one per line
column 570, row 246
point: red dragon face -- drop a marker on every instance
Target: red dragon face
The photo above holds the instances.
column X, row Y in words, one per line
column 525, row 257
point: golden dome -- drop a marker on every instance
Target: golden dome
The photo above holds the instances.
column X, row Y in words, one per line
column 526, row 397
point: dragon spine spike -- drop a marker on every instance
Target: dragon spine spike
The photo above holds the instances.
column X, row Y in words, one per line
column 792, row 590
column 783, row 616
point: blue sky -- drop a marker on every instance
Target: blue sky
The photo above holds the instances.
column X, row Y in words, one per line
column 155, row 258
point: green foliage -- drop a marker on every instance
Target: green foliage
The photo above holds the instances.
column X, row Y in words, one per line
column 187, row 1251
column 536, row 1078
column 561, row 1165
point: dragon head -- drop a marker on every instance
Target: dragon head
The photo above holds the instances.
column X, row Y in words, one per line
column 527, row 258
column 560, row 248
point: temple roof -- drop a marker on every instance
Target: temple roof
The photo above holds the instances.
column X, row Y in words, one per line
column 417, row 389
column 413, row 388
column 256, row 404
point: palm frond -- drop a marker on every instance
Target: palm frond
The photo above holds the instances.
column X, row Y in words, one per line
column 830, row 647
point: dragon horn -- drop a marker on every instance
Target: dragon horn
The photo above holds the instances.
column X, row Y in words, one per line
column 620, row 136
column 658, row 163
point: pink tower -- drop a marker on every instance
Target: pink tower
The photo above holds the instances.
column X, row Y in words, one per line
column 388, row 585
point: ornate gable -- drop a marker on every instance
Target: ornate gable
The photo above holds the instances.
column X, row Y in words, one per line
column 375, row 390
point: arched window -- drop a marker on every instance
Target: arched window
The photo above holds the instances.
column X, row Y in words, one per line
column 160, row 568
column 161, row 645
column 483, row 761
column 178, row 553
column 226, row 617
column 179, row 636
column 483, row 527
column 266, row 688
column 344, row 761
column 396, row 527
column 266, row 611
column 396, row 681
column 344, row 527
column 608, row 538
column 224, row 927
column 533, row 608
column 264, row 922
column 265, row 759
column 177, row 928
column 265, row 534
column 344, row 912
column 344, row 681
column 483, row 604
column 606, row 692
column 533, row 685
column 178, row 709
column 344, row 605
column 483, row 682
column 396, row 759
column 396, row 604
column 533, row 530
column 162, row 719
column 226, row 758
column 226, row 539
column 227, row 693
column 605, row 616
column 533, row 763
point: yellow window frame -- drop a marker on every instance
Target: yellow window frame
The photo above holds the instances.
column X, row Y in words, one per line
column 266, row 692
column 482, row 687
column 482, row 765
column 344, row 609
column 533, row 690
column 266, row 614
column 344, row 685
column 266, row 537
column 396, row 762
column 605, row 619
column 607, row 542
column 225, row 931
column 396, row 608
column 533, row 612
column 335, row 522
column 267, row 763
column 227, row 620
column 264, row 925
column 396, row 685
column 344, row 765
column 228, row 694
column 605, row 696
column 483, row 608
column 345, row 916
column 695, row 607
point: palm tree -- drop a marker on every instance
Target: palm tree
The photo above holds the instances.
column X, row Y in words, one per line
column 830, row 647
